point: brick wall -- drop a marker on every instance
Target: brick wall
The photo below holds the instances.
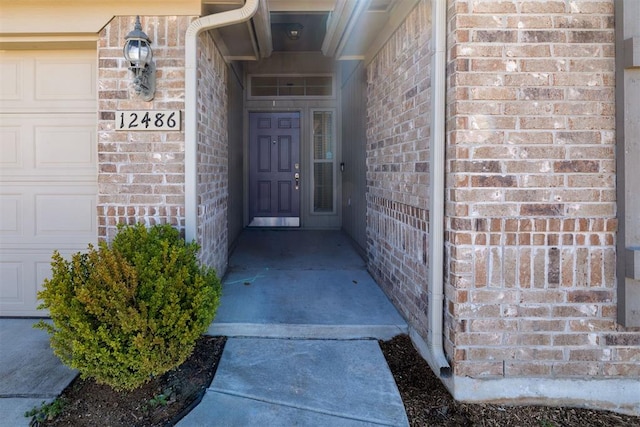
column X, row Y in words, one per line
column 398, row 103
column 531, row 206
column 140, row 174
column 212, row 184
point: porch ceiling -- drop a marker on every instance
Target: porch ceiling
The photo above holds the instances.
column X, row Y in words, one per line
column 342, row 29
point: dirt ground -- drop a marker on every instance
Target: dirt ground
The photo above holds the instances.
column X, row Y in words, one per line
column 158, row 403
column 169, row 397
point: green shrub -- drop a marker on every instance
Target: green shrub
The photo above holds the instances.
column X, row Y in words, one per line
column 125, row 312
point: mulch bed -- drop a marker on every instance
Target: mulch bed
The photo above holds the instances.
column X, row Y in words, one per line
column 160, row 402
column 428, row 403
column 164, row 400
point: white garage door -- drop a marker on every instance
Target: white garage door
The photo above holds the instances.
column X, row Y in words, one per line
column 48, row 167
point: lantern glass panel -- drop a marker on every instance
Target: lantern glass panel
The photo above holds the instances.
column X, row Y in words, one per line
column 138, row 52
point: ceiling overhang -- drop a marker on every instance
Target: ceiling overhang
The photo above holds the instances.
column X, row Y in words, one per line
column 43, row 18
column 341, row 29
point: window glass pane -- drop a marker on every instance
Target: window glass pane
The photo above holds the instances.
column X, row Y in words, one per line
column 291, row 81
column 265, row 81
column 323, row 135
column 291, row 91
column 318, row 91
column 264, row 91
column 323, row 187
column 292, row 86
column 319, row 81
column 323, row 160
column 319, row 86
column 264, row 86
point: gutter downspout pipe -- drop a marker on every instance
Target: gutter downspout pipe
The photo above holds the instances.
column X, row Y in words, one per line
column 204, row 23
column 435, row 355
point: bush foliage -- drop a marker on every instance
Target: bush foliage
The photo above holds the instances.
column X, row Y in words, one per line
column 125, row 312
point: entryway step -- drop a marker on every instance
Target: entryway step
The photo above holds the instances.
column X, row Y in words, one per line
column 325, row 304
column 273, row 382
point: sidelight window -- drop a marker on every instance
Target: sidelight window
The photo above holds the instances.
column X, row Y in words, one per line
column 324, row 147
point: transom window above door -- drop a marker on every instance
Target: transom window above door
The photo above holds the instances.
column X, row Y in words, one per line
column 317, row 86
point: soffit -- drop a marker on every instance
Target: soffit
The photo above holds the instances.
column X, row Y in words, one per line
column 39, row 18
column 341, row 29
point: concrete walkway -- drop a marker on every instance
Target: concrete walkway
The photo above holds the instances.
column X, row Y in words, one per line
column 303, row 316
column 29, row 371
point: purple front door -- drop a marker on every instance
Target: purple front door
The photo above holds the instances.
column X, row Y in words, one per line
column 274, row 169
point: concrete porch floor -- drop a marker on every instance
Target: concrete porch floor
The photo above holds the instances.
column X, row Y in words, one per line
column 302, row 316
column 302, row 284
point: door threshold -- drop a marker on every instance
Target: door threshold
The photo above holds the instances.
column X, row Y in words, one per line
column 275, row 222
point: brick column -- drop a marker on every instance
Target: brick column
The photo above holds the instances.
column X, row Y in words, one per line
column 141, row 174
column 531, row 200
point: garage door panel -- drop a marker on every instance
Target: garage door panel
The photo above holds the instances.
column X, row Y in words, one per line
column 11, row 215
column 11, row 274
column 39, row 215
column 48, row 81
column 62, row 214
column 48, row 148
column 21, row 277
column 65, row 146
column 10, row 147
column 22, row 274
column 11, row 72
column 18, row 289
column 48, row 167
column 50, row 72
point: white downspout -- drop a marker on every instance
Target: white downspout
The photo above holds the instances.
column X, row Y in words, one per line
column 191, row 104
column 435, row 350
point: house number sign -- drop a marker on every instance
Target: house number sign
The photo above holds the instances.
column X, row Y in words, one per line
column 151, row 120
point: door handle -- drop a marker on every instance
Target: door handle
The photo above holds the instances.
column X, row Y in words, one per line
column 297, row 178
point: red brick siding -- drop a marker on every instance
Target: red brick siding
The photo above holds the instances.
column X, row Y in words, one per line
column 213, row 183
column 531, row 223
column 140, row 174
column 398, row 129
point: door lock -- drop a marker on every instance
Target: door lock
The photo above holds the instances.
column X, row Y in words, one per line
column 297, row 178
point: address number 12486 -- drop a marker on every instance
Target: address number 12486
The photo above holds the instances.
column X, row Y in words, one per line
column 148, row 120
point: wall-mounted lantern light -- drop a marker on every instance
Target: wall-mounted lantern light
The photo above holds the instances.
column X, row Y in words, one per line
column 137, row 51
